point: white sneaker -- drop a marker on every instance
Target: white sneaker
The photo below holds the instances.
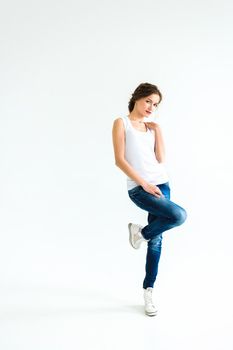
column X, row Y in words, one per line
column 150, row 309
column 135, row 236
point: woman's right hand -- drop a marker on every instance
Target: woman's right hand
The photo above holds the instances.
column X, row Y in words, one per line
column 153, row 189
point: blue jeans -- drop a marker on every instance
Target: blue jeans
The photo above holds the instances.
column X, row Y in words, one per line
column 163, row 214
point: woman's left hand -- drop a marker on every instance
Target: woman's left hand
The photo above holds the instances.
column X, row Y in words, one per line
column 152, row 125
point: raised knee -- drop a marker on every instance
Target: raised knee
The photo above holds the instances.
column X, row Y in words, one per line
column 180, row 216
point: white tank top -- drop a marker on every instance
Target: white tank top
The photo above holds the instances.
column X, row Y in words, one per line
column 139, row 152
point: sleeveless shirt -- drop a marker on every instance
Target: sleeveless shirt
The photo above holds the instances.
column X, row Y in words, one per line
column 140, row 154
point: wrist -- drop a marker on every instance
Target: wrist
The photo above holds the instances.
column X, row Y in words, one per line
column 143, row 183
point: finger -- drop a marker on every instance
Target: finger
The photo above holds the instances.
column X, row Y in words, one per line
column 160, row 194
column 156, row 194
column 158, row 191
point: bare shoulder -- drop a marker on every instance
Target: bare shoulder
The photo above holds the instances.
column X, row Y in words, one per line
column 118, row 120
column 118, row 123
column 118, row 130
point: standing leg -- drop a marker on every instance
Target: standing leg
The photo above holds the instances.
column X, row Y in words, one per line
column 152, row 261
column 154, row 247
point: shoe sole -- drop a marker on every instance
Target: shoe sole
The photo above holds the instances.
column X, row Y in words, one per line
column 151, row 313
column 130, row 236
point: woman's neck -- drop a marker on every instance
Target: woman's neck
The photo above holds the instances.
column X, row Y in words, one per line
column 136, row 117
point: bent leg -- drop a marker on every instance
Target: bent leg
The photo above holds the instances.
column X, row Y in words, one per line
column 160, row 224
column 168, row 214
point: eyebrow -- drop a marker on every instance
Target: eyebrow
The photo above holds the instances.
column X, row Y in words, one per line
column 152, row 101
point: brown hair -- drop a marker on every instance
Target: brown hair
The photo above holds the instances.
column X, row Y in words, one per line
column 143, row 90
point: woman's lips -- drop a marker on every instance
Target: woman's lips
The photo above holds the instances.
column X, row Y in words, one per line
column 148, row 112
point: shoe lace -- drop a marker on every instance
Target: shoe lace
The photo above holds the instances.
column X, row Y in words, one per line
column 148, row 297
column 140, row 227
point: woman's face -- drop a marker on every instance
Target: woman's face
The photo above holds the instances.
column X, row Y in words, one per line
column 146, row 105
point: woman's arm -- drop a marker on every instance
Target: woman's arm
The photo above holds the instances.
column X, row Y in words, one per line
column 159, row 142
column 118, row 137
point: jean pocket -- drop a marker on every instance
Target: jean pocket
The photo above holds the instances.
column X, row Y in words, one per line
column 134, row 190
column 166, row 184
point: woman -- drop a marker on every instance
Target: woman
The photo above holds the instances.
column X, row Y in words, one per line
column 139, row 153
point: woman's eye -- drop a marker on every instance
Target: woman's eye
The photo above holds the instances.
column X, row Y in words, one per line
column 155, row 105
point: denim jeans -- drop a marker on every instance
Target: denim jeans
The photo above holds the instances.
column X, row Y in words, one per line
column 163, row 214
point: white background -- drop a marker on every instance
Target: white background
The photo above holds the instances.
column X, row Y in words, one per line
column 68, row 276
